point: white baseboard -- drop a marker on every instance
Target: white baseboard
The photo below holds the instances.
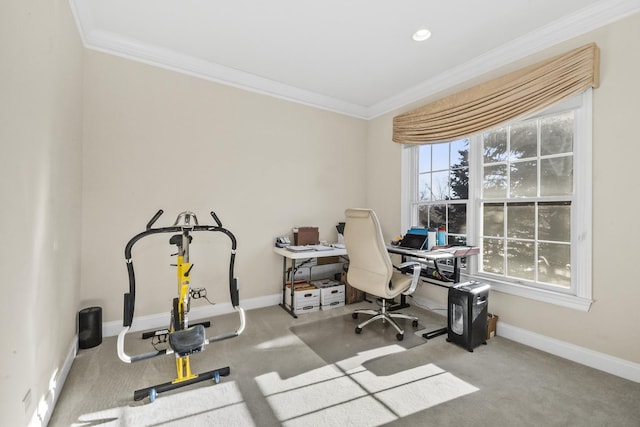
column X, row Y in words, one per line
column 601, row 361
column 47, row 402
column 159, row 321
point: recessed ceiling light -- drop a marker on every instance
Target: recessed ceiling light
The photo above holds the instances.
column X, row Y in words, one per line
column 421, row 35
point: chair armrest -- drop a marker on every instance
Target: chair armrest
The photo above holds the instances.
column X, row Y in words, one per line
column 416, row 267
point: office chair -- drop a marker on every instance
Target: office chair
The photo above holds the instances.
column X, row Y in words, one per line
column 371, row 269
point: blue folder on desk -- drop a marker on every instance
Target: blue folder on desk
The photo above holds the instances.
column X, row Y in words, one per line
column 418, row 230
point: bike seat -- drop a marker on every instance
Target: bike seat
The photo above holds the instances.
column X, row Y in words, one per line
column 188, row 341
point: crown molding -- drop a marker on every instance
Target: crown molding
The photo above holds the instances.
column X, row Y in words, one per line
column 152, row 55
column 587, row 20
column 545, row 37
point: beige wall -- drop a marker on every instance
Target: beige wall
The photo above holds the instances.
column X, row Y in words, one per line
column 155, row 139
column 40, row 167
column 614, row 319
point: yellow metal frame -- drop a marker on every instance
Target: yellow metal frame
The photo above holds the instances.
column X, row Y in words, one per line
column 183, row 366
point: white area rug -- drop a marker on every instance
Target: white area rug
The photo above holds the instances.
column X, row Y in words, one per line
column 340, row 394
column 346, row 393
column 220, row 405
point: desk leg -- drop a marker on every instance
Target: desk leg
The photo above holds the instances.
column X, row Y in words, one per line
column 283, row 304
column 456, row 280
column 456, row 270
column 403, row 304
column 435, row 333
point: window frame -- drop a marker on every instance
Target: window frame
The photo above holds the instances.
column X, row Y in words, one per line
column 428, row 202
column 579, row 295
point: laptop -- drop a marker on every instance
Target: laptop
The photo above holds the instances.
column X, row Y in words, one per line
column 413, row 241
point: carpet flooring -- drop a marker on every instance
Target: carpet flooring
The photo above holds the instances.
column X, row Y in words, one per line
column 315, row 371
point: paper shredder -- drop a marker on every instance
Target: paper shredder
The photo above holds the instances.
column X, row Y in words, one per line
column 467, row 315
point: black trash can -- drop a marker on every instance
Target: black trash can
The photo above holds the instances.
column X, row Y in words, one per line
column 90, row 327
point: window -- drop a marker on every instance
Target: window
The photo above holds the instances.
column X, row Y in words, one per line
column 522, row 193
column 443, row 188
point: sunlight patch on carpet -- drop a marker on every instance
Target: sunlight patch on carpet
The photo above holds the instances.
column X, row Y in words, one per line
column 281, row 342
column 220, row 404
column 347, row 393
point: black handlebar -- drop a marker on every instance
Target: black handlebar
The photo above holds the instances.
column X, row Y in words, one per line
column 215, row 218
column 129, row 298
column 154, row 219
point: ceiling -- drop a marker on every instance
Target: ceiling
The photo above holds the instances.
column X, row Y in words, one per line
column 355, row 57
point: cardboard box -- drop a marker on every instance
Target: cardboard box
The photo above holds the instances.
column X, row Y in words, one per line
column 352, row 295
column 312, row 271
column 492, row 325
column 332, row 293
column 331, row 305
column 306, row 309
column 306, row 298
column 306, row 236
column 325, row 283
column 328, row 260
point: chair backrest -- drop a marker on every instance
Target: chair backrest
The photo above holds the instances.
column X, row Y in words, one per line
column 370, row 267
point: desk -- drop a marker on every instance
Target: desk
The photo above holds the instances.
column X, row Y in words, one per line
column 293, row 257
column 454, row 253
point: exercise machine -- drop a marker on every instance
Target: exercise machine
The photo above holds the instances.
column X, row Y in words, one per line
column 184, row 340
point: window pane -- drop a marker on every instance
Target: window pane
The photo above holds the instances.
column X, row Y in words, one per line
column 493, row 256
column 437, row 216
column 444, row 177
column 554, row 264
column 520, row 259
column 556, row 176
column 440, row 185
column 524, row 140
column 495, row 181
column 556, row 134
column 440, row 156
column 458, row 241
column 424, row 158
column 493, row 219
column 521, row 220
column 424, row 186
column 423, row 216
column 460, row 153
column 432, row 216
column 524, row 179
column 460, row 184
column 457, row 219
column 554, row 221
column 494, row 146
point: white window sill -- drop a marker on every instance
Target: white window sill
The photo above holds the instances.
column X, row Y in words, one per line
column 549, row 297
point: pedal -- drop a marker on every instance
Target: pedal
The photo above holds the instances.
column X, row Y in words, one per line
column 159, row 339
column 159, row 333
column 197, row 293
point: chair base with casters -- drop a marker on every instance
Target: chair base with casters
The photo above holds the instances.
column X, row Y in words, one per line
column 386, row 316
column 371, row 269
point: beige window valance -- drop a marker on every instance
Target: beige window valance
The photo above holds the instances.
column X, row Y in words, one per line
column 500, row 100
